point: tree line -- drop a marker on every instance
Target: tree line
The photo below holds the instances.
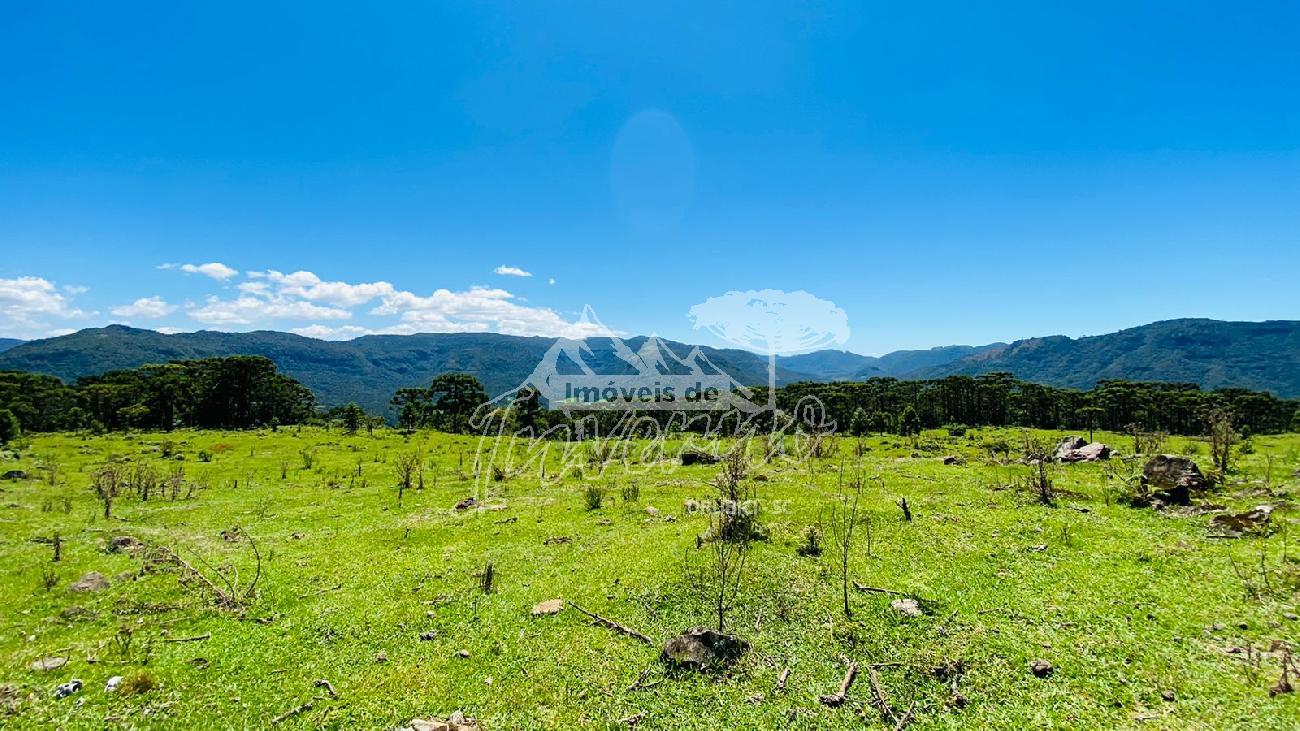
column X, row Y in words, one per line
column 236, row 392
column 903, row 407
column 998, row 399
column 247, row 391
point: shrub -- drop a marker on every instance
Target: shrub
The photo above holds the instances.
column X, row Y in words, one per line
column 141, row 682
column 594, row 495
column 631, row 493
column 812, row 542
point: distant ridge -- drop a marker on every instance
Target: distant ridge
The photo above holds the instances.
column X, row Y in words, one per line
column 1261, row 356
column 1256, row 355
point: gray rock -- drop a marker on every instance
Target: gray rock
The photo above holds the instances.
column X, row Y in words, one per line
column 67, row 689
column 1087, row 453
column 14, row 475
column 46, row 664
column 700, row 647
column 1041, row 668
column 1067, row 445
column 93, row 581
column 1171, row 479
column 124, row 543
column 907, row 607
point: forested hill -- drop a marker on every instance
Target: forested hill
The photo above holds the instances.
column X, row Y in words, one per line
column 367, row 370
column 7, row 343
column 1261, row 356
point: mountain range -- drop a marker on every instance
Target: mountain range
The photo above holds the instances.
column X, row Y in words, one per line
column 1215, row 354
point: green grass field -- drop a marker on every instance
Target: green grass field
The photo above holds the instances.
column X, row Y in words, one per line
column 1147, row 620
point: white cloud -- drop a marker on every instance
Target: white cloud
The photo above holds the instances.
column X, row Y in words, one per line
column 325, row 332
column 308, row 286
column 27, row 302
column 145, row 307
column 247, row 310
column 551, row 280
column 506, row 271
column 172, row 330
column 214, row 269
column 480, row 309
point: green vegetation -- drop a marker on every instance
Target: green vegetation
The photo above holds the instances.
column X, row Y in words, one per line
column 369, row 370
column 997, row 399
column 234, row 392
column 1260, row 356
column 297, row 556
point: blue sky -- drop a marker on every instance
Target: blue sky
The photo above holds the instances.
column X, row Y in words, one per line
column 945, row 173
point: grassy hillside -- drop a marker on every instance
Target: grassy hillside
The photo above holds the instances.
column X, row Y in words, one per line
column 1261, row 356
column 1139, row 613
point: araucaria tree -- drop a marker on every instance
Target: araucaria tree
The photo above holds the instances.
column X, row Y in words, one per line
column 447, row 404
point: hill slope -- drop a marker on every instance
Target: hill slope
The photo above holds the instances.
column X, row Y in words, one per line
column 7, row 343
column 1262, row 356
column 366, row 370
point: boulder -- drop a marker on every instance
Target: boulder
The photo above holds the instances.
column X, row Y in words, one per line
column 550, row 606
column 1067, row 445
column 68, row 688
column 700, row 647
column 907, row 607
column 1171, row 479
column 124, row 543
column 47, row 664
column 1229, row 525
column 1086, row 453
column 692, row 457
column 14, row 475
column 466, row 504
column 954, row 459
column 93, row 581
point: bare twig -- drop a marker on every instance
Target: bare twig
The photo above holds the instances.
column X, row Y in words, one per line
column 619, row 628
column 878, row 590
column 328, row 686
column 837, row 698
column 295, row 711
column 784, row 676
column 906, row 718
column 878, row 694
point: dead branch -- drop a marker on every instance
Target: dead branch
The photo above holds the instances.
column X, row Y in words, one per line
column 906, row 718
column 619, row 628
column 837, row 698
column 784, row 676
column 877, row 590
column 878, row 694
column 295, row 711
column 327, row 685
